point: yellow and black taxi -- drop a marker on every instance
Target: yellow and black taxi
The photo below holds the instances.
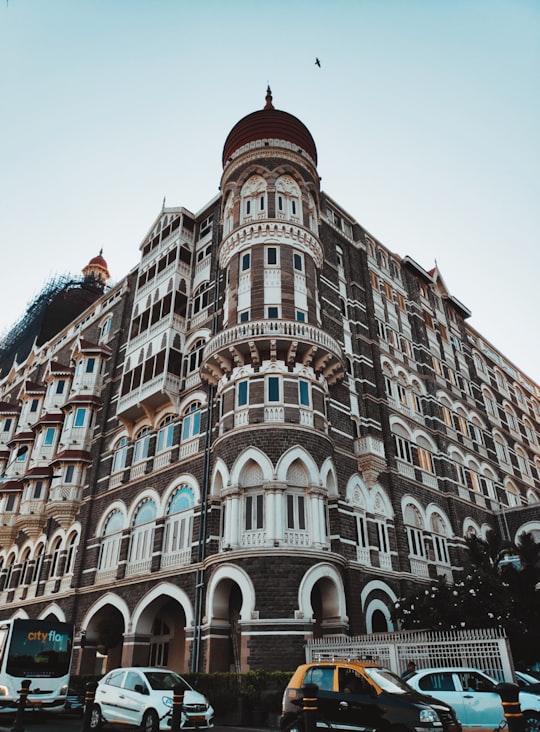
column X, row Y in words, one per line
column 359, row 695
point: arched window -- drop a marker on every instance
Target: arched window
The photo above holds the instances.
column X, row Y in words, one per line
column 165, row 436
column 10, row 566
column 228, row 218
column 200, row 298
column 142, row 445
column 254, row 198
column 195, row 355
column 178, row 528
column 191, row 421
column 38, row 557
column 24, row 576
column 71, row 553
column 141, row 545
column 523, row 462
column 403, row 445
column 120, row 455
column 288, row 199
column 511, row 419
column 105, row 329
column 110, row 543
column 501, row 448
column 439, row 538
column 530, row 431
column 512, row 494
column 415, row 532
column 490, row 404
column 55, row 557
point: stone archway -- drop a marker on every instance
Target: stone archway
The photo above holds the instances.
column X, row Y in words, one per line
column 231, row 600
column 321, row 597
column 225, row 651
column 103, row 639
column 159, row 630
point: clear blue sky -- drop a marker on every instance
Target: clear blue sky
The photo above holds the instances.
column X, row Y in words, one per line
column 426, row 116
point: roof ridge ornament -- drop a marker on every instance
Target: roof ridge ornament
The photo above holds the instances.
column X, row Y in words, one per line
column 268, row 104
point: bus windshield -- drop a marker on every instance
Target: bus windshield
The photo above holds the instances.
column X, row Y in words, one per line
column 39, row 648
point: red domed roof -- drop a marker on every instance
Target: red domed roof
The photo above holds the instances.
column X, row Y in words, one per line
column 269, row 123
column 99, row 261
column 97, row 267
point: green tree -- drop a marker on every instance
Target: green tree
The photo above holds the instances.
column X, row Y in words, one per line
column 498, row 590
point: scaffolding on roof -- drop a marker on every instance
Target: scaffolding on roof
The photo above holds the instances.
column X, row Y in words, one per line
column 17, row 343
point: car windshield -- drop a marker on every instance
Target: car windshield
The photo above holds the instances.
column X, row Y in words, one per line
column 387, row 680
column 165, row 680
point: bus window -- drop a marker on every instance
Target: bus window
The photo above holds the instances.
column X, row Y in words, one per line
column 39, row 649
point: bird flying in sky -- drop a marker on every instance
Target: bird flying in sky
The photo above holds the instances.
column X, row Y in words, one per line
column 317, row 63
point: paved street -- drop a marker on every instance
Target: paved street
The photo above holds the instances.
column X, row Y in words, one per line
column 68, row 723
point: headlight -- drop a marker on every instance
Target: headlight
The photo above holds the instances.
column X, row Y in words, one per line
column 429, row 715
column 64, row 690
column 3, row 691
column 167, row 701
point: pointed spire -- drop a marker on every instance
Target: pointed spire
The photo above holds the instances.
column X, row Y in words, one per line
column 268, row 104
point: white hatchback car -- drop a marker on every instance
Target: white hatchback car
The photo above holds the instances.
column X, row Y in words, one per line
column 472, row 695
column 143, row 697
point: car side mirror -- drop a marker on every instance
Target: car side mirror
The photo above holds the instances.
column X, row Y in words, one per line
column 140, row 689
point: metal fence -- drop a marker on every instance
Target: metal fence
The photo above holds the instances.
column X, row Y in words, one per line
column 486, row 649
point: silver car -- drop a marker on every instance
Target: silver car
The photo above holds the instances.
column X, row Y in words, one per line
column 143, row 697
column 472, row 694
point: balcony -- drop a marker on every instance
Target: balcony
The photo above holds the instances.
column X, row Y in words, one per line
column 156, row 392
column 31, row 518
column 64, row 503
column 254, row 342
column 8, row 530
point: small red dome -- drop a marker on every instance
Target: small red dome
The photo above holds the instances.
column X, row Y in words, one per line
column 97, row 267
column 269, row 123
column 98, row 261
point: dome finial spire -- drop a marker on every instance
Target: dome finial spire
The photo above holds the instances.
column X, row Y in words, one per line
column 268, row 104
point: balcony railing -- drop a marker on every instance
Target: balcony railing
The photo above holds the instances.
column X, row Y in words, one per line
column 288, row 340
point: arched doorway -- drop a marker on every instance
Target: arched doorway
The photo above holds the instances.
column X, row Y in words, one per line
column 321, row 597
column 231, row 602
column 226, row 649
column 160, row 635
column 102, row 641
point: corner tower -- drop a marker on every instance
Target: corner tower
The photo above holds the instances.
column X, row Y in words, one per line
column 270, row 255
column 272, row 366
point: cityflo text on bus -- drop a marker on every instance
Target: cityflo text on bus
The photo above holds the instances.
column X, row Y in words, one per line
column 52, row 636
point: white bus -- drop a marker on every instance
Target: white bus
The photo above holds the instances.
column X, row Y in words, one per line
column 40, row 651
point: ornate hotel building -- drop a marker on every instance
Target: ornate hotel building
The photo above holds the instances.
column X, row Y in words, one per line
column 267, row 431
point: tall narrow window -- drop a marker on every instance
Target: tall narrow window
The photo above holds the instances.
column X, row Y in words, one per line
column 178, row 527
column 303, row 393
column 192, row 421
column 120, row 455
column 165, row 434
column 273, row 385
column 254, row 518
column 271, row 256
column 142, row 445
column 243, row 393
column 296, row 512
column 80, row 416
column 110, row 544
column 49, row 436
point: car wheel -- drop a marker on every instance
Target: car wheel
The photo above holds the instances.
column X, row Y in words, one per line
column 150, row 721
column 293, row 723
column 96, row 720
column 531, row 721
